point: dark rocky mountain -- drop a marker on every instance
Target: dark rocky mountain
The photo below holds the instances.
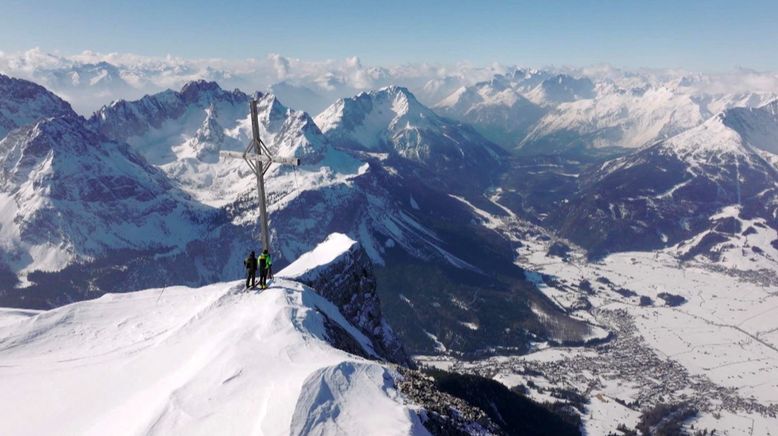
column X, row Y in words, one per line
column 23, row 103
column 122, row 120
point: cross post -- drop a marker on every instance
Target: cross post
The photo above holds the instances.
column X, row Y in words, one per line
column 259, row 159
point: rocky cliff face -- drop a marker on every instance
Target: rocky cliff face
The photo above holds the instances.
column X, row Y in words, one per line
column 23, row 103
column 348, row 281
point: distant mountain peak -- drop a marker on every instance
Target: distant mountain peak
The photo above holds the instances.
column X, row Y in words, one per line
column 201, row 85
column 397, row 90
column 711, row 137
column 392, row 120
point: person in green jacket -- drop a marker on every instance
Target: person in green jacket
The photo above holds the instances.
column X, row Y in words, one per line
column 265, row 271
column 251, row 269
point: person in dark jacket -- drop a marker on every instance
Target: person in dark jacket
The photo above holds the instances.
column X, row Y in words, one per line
column 251, row 269
column 265, row 271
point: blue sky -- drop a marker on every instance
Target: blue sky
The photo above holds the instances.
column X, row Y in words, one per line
column 700, row 35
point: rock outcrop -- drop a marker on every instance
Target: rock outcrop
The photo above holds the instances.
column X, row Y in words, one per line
column 340, row 270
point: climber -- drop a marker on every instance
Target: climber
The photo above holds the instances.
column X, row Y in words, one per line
column 265, row 272
column 251, row 269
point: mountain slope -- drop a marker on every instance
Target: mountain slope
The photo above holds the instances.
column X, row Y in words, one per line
column 425, row 243
column 667, row 193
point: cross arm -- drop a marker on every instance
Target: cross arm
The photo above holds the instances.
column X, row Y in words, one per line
column 232, row 154
column 261, row 157
column 286, row 160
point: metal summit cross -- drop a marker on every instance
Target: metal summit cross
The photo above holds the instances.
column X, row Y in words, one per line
column 259, row 159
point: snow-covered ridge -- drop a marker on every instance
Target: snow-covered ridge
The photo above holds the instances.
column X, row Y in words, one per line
column 195, row 361
column 711, row 137
column 545, row 113
column 369, row 115
column 311, row 262
column 736, row 132
column 340, row 270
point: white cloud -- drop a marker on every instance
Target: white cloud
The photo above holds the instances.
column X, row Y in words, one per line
column 90, row 79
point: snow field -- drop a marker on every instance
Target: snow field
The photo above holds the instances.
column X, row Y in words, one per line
column 213, row 360
column 725, row 330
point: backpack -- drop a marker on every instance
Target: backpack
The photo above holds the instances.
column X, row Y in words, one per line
column 251, row 263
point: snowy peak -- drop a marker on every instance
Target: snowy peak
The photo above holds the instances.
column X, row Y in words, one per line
column 587, row 114
column 156, row 124
column 392, row 120
column 23, row 103
column 208, row 139
column 203, row 93
column 194, row 90
column 122, row 119
column 289, row 132
column 371, row 114
column 668, row 192
column 735, row 131
column 713, row 137
column 496, row 108
column 183, row 132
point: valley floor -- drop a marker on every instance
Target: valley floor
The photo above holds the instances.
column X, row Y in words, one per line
column 693, row 332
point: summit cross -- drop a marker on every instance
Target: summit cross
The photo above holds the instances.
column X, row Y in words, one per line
column 259, row 159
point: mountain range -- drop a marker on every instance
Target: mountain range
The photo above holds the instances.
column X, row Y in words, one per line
column 411, row 185
column 395, row 199
column 448, row 206
column 540, row 113
column 667, row 193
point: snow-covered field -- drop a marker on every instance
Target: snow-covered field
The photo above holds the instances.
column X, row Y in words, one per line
column 213, row 360
column 724, row 333
column 725, row 330
column 717, row 348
